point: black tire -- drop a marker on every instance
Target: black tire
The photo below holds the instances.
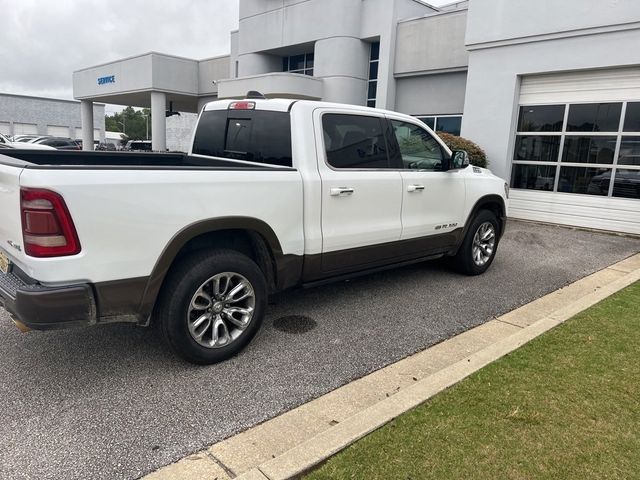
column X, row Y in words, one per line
column 189, row 277
column 464, row 261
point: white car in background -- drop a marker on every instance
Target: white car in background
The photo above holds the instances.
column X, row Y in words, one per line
column 27, row 146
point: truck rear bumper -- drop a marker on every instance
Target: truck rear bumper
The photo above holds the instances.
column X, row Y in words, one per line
column 47, row 308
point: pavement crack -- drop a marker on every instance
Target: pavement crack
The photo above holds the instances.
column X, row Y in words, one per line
column 509, row 323
column 265, row 475
column 226, row 469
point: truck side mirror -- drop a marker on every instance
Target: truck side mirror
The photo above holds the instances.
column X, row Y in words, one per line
column 459, row 159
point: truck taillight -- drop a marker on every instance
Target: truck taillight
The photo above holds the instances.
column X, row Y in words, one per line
column 47, row 227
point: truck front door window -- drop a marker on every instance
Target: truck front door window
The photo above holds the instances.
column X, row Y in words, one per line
column 419, row 150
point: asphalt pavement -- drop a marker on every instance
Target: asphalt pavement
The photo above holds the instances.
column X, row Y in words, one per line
column 112, row 402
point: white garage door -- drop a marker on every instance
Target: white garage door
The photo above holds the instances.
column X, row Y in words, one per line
column 57, row 131
column 25, row 129
column 5, row 128
column 576, row 156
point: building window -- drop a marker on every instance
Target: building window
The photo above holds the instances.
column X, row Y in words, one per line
column 586, row 148
column 372, row 85
column 302, row 63
column 443, row 123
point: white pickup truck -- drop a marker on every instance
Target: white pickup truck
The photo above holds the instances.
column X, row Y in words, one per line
column 274, row 194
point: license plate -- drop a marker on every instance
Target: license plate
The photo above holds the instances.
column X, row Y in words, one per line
column 5, row 264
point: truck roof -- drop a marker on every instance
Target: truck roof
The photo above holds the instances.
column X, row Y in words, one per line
column 285, row 104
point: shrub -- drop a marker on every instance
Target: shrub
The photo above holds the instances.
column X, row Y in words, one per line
column 477, row 156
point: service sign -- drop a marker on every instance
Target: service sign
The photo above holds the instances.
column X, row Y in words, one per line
column 106, row 80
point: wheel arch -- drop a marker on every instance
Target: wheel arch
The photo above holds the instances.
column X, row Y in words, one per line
column 250, row 236
column 493, row 203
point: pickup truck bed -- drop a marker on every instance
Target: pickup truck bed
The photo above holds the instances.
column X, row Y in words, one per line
column 41, row 159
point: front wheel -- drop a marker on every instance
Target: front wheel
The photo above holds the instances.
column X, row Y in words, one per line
column 212, row 305
column 479, row 246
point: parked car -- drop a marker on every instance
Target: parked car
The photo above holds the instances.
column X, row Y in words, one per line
column 4, row 140
column 138, row 146
column 274, row 194
column 59, row 143
column 78, row 142
column 29, row 138
column 106, row 147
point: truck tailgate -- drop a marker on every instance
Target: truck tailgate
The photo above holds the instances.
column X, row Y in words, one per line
column 10, row 222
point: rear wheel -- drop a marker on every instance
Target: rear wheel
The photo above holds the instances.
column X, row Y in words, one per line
column 479, row 246
column 212, row 305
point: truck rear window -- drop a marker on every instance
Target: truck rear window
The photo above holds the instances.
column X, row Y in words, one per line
column 251, row 135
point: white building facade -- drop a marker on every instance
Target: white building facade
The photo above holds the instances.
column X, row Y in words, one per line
column 26, row 115
column 551, row 90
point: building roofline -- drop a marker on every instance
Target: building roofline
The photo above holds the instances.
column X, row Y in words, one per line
column 131, row 57
column 216, row 57
column 35, row 97
column 432, row 15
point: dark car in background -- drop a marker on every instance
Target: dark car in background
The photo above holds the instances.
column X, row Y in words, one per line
column 60, row 143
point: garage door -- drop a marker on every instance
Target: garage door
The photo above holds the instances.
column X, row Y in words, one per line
column 57, row 131
column 576, row 156
column 25, row 129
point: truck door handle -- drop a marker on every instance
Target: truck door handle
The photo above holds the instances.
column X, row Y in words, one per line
column 341, row 191
column 415, row 188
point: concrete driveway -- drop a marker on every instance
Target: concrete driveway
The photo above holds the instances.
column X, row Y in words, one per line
column 111, row 402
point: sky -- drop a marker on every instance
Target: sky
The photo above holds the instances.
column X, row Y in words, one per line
column 43, row 41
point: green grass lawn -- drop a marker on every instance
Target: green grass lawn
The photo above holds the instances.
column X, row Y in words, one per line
column 564, row 406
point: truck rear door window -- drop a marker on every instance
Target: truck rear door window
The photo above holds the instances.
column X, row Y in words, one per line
column 255, row 136
column 355, row 141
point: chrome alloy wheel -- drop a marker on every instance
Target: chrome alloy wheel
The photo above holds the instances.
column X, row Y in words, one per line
column 484, row 243
column 221, row 310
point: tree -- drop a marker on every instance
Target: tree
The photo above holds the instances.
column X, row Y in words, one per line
column 133, row 123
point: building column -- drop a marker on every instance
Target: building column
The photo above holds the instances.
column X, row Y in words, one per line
column 86, row 118
column 345, row 76
column 158, row 121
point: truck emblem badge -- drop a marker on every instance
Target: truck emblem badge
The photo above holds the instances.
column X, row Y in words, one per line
column 14, row 245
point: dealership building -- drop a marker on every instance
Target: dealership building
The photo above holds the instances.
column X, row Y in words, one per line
column 26, row 115
column 549, row 89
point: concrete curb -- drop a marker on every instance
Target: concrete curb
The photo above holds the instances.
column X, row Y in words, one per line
column 296, row 441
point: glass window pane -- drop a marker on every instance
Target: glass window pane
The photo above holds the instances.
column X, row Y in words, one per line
column 627, row 184
column 429, row 121
column 375, row 51
column 354, row 141
column 265, row 140
column 449, row 125
column 594, row 117
column 533, row 177
column 372, row 89
column 371, row 103
column 629, row 151
column 373, row 71
column 632, row 118
column 309, row 63
column 591, row 181
column 419, row 150
column 309, row 72
column 238, row 134
column 296, row 62
column 541, row 118
column 209, row 137
column 285, row 64
column 537, row 149
column 589, row 149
